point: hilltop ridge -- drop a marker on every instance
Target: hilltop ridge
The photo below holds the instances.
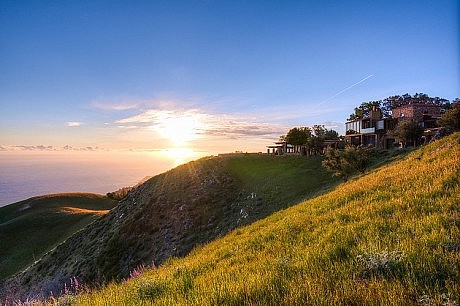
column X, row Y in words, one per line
column 390, row 237
column 171, row 213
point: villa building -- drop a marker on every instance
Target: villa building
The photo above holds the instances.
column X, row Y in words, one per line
column 374, row 130
column 370, row 131
column 425, row 114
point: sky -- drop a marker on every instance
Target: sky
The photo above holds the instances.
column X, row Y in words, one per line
column 210, row 76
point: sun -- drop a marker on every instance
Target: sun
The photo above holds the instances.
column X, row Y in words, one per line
column 179, row 129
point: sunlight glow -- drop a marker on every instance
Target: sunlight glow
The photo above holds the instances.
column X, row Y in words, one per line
column 179, row 128
column 179, row 155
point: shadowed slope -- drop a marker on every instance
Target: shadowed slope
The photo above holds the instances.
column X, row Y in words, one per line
column 32, row 227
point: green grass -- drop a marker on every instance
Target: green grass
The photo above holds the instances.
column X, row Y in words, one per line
column 282, row 180
column 387, row 238
column 30, row 228
column 174, row 212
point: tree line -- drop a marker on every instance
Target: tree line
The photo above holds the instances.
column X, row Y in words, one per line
column 388, row 104
column 309, row 140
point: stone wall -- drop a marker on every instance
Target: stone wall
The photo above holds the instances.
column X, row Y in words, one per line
column 416, row 111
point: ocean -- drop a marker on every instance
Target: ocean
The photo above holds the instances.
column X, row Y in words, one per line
column 27, row 174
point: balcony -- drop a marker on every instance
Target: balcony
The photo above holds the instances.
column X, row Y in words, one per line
column 368, row 130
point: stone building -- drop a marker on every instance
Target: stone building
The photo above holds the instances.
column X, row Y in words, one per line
column 374, row 130
column 425, row 114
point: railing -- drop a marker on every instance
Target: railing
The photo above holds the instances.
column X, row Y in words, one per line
column 368, row 131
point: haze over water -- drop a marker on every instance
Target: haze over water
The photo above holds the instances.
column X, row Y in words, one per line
column 27, row 174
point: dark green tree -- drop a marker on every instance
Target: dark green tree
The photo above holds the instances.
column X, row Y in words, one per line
column 309, row 140
column 408, row 132
column 363, row 111
column 316, row 142
column 331, row 135
column 451, row 118
column 319, row 130
column 298, row 136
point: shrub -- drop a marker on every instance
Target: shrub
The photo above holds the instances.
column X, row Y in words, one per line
column 378, row 264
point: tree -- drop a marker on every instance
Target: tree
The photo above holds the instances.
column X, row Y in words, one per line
column 331, row 135
column 321, row 133
column 311, row 138
column 359, row 157
column 408, row 131
column 363, row 111
column 298, row 136
column 451, row 118
column 319, row 130
column 336, row 162
column 343, row 163
column 393, row 102
column 388, row 104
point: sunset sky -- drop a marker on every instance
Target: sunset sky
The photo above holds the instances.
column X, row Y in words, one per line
column 210, row 76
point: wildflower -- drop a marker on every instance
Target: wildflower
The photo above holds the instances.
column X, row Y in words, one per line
column 74, row 283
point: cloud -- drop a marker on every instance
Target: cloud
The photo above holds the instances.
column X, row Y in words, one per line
column 240, row 126
column 45, row 148
column 333, row 124
column 73, row 123
column 27, row 148
column 115, row 106
column 196, row 123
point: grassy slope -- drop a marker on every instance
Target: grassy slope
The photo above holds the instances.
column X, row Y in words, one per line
column 283, row 180
column 174, row 212
column 388, row 238
column 30, row 228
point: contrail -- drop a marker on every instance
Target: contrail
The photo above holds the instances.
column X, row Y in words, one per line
column 345, row 89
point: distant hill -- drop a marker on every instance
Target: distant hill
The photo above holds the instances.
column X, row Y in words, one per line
column 30, row 228
column 170, row 214
column 391, row 237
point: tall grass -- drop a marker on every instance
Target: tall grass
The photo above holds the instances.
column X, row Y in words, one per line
column 388, row 238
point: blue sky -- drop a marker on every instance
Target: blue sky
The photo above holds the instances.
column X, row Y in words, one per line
column 214, row 76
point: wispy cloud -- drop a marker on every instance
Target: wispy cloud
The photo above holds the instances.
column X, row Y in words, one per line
column 47, row 148
column 129, row 103
column 27, row 148
column 200, row 123
column 73, row 123
column 115, row 106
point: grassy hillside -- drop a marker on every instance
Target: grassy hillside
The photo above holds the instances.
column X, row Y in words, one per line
column 388, row 238
column 30, row 228
column 174, row 212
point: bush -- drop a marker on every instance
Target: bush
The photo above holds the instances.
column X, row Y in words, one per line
column 120, row 194
column 345, row 162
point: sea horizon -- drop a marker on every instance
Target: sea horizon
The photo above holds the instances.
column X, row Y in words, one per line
column 28, row 174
